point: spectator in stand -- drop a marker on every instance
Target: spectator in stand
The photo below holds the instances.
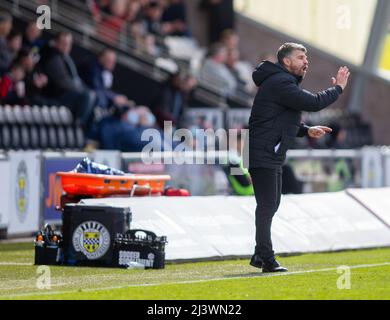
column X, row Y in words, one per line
column 65, row 86
column 34, row 80
column 215, row 71
column 230, row 39
column 14, row 43
column 171, row 102
column 112, row 25
column 97, row 7
column 137, row 31
column 5, row 29
column 147, row 44
column 99, row 77
column 174, row 19
column 12, row 86
column 153, row 13
column 134, row 13
column 122, row 130
column 242, row 71
column 32, row 37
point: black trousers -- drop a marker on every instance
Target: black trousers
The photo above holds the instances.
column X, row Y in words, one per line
column 267, row 184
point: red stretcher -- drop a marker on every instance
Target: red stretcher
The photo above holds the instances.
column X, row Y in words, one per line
column 99, row 185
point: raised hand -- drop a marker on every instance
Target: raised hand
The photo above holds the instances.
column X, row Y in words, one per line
column 341, row 78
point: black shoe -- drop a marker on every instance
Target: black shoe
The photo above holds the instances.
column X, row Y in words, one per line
column 256, row 261
column 273, row 266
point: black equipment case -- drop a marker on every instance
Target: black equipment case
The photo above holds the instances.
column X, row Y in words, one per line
column 89, row 233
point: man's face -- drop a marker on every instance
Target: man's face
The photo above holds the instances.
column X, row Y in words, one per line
column 221, row 56
column 297, row 63
column 33, row 32
column 108, row 60
column 15, row 44
column 17, row 74
column 28, row 62
column 64, row 44
column 232, row 58
column 6, row 27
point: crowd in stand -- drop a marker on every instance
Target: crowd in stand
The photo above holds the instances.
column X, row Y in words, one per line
column 145, row 19
column 151, row 20
column 35, row 71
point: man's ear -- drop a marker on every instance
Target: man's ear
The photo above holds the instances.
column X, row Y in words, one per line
column 286, row 62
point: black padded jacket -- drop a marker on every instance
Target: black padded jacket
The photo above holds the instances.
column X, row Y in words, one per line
column 276, row 113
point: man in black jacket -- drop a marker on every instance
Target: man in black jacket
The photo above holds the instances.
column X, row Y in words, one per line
column 274, row 123
column 65, row 86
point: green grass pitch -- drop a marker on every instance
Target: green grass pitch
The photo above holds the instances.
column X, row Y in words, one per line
column 310, row 276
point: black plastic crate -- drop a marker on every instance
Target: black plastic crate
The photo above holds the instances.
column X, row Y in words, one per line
column 47, row 255
column 139, row 246
column 89, row 233
column 48, row 243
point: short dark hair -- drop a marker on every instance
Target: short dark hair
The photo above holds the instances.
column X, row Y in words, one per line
column 61, row 34
column 153, row 4
column 105, row 51
column 16, row 65
column 22, row 54
column 286, row 49
column 13, row 34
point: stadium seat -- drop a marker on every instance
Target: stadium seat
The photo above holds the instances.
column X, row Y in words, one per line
column 61, row 135
column 55, row 116
column 46, row 117
column 80, row 139
column 52, row 138
column 15, row 137
column 9, row 115
column 5, row 137
column 24, row 137
column 70, row 137
column 43, row 137
column 28, row 116
column 18, row 114
column 34, row 137
column 36, row 115
column 65, row 115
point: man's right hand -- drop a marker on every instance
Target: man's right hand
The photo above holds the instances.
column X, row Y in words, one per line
column 341, row 78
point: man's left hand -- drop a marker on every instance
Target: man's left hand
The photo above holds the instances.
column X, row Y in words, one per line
column 318, row 132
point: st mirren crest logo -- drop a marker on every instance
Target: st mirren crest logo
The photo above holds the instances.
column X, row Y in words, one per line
column 22, row 190
column 92, row 239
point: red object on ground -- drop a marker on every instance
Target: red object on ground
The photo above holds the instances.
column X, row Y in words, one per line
column 100, row 185
column 170, row 192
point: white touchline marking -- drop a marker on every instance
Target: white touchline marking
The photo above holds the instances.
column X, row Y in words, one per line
column 16, row 264
column 261, row 275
